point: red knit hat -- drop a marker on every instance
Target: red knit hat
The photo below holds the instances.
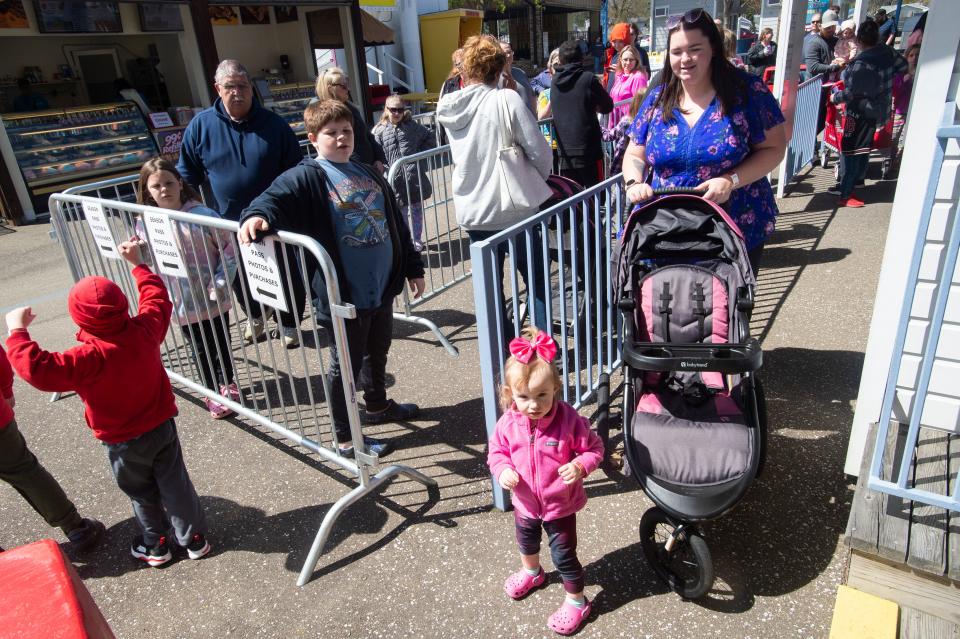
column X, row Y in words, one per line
column 620, row 31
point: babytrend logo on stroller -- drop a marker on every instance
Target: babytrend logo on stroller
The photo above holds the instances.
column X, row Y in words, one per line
column 694, row 420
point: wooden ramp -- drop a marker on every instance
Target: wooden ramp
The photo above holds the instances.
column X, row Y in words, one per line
column 905, row 551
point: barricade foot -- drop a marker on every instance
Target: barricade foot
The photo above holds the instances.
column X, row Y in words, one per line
column 422, row 321
column 341, row 504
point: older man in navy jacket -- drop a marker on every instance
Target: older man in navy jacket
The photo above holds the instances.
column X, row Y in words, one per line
column 239, row 147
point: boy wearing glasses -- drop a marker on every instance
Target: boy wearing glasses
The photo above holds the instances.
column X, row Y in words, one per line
column 352, row 212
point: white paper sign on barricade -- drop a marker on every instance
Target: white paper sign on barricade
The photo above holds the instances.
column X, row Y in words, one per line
column 163, row 243
column 100, row 228
column 263, row 276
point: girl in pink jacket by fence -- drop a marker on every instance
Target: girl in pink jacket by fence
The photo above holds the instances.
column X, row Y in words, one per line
column 542, row 450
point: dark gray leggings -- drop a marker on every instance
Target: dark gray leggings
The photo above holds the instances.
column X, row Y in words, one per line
column 562, row 537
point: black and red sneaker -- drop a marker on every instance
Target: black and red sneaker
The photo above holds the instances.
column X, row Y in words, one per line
column 198, row 547
column 155, row 555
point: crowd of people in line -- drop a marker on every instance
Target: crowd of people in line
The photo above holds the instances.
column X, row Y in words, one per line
column 704, row 123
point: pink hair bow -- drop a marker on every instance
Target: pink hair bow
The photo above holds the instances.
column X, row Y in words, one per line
column 542, row 345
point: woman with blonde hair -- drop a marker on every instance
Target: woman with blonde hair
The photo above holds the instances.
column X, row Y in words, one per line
column 332, row 85
column 400, row 135
column 454, row 81
column 629, row 79
column 475, row 118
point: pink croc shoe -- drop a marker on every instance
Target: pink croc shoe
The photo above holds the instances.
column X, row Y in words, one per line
column 521, row 582
column 217, row 411
column 568, row 618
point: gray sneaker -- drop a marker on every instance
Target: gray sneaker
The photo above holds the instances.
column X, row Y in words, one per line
column 86, row 536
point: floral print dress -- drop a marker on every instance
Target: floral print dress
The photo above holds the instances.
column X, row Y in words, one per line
column 683, row 155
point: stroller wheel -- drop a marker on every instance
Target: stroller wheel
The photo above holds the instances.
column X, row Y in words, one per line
column 686, row 566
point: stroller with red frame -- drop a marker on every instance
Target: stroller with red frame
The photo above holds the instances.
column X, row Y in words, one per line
column 694, row 416
column 833, row 133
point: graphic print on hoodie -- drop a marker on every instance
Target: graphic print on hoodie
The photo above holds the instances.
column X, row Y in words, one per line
column 360, row 224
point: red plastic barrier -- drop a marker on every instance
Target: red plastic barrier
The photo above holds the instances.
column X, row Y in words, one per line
column 43, row 597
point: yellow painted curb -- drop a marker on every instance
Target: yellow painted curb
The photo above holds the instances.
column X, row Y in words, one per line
column 858, row 615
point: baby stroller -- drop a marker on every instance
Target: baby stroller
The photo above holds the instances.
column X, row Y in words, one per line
column 833, row 133
column 694, row 418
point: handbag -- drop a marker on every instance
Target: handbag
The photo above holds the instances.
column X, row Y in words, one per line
column 522, row 188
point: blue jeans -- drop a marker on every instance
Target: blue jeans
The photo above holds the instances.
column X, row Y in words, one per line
column 539, row 303
column 853, row 166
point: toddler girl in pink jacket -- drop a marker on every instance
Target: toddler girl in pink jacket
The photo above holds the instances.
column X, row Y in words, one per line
column 542, row 450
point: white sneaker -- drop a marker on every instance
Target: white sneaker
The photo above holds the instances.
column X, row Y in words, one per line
column 290, row 337
column 253, row 331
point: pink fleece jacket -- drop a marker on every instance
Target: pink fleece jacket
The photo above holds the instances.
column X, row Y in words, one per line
column 536, row 451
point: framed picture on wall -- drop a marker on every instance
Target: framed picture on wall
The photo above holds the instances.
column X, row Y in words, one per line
column 66, row 16
column 223, row 16
column 13, row 15
column 160, row 17
column 255, row 15
column 285, row 13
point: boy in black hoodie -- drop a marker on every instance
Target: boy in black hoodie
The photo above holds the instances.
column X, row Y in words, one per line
column 352, row 212
column 576, row 98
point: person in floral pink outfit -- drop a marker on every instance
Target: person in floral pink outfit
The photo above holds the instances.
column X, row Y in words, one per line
column 542, row 450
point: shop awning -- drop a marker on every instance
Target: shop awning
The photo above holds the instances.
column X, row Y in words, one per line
column 325, row 30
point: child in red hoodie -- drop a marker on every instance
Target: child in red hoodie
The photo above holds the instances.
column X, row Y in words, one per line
column 20, row 468
column 128, row 403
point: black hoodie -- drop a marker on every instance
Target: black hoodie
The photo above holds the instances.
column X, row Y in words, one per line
column 576, row 98
column 299, row 201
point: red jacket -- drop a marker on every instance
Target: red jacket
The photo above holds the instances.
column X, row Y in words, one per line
column 6, row 390
column 116, row 370
column 537, row 451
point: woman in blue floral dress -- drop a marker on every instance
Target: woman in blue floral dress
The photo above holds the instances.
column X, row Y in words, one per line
column 710, row 126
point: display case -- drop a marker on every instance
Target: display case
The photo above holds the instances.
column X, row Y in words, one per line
column 56, row 149
column 289, row 101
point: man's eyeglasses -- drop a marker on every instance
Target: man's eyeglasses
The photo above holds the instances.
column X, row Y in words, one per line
column 690, row 17
column 396, row 109
column 238, row 88
column 816, row 21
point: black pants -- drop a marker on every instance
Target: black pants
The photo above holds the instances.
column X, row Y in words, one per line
column 585, row 172
column 369, row 336
column 210, row 342
column 562, row 537
column 295, row 292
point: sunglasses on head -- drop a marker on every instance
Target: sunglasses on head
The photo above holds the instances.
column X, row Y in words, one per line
column 690, row 17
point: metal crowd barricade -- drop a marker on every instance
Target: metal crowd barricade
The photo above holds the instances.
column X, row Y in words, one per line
column 284, row 390
column 802, row 144
column 444, row 242
column 563, row 256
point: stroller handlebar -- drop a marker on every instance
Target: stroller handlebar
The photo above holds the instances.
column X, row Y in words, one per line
column 677, row 190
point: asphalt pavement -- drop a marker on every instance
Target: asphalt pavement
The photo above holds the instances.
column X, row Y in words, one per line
column 405, row 563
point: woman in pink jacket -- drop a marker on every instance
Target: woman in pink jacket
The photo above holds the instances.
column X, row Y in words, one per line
column 542, row 450
column 628, row 81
